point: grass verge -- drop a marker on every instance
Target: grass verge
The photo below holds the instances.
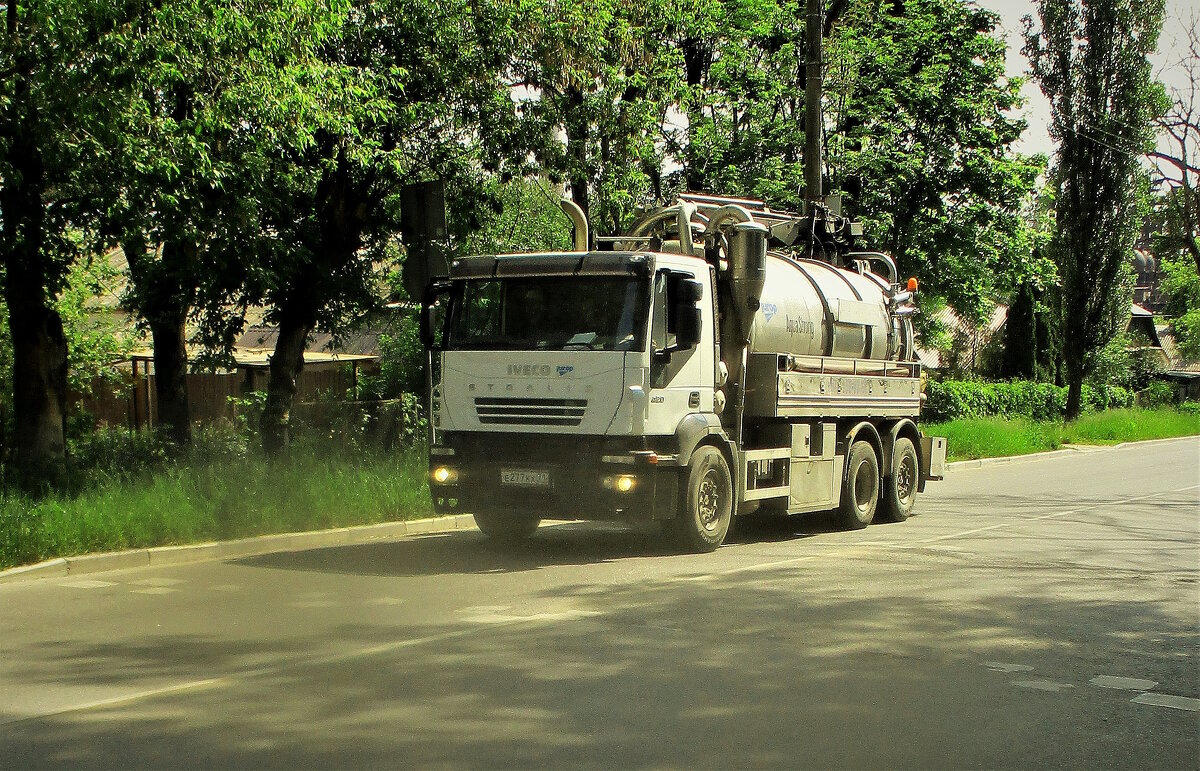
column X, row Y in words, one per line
column 215, row 500
column 972, row 438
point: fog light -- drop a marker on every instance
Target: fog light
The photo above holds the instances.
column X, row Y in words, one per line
column 444, row 475
column 622, row 484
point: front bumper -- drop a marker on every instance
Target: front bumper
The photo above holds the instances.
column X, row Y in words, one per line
column 552, row 477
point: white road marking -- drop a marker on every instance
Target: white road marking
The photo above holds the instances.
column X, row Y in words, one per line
column 1123, row 683
column 999, row 666
column 1042, row 685
column 499, row 618
column 87, row 583
column 118, row 700
column 226, row 588
column 384, row 601
column 313, row 604
column 1051, row 515
column 154, row 590
column 159, row 582
column 1167, row 700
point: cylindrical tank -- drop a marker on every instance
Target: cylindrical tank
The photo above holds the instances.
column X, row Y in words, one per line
column 811, row 308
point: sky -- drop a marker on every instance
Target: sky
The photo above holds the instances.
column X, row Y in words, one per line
column 1172, row 47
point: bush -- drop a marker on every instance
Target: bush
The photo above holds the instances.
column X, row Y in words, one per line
column 1160, row 393
column 955, row 399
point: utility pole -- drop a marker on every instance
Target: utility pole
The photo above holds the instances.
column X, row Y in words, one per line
column 813, row 75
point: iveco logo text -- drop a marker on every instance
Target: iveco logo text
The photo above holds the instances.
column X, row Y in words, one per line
column 538, row 370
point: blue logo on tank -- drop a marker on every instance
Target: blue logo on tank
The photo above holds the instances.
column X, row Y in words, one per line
column 564, row 370
column 769, row 310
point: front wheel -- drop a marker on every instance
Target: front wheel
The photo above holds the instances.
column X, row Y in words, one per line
column 703, row 522
column 506, row 528
column 900, row 486
column 860, row 487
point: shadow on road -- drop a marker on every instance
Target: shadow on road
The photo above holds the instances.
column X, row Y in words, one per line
column 576, row 543
column 884, row 667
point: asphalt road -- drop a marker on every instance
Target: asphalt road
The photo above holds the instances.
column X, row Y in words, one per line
column 1036, row 614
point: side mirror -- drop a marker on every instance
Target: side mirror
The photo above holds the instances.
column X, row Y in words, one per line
column 687, row 315
column 430, row 331
column 687, row 334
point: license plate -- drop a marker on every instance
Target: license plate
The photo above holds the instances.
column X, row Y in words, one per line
column 524, row 478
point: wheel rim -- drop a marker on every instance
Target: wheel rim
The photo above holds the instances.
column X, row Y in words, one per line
column 906, row 476
column 708, row 501
column 865, row 489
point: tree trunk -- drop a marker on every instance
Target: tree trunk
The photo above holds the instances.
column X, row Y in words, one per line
column 39, row 384
column 170, row 376
column 577, row 151
column 286, row 364
column 39, row 345
column 164, row 285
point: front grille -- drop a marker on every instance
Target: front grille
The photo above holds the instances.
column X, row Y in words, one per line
column 530, row 412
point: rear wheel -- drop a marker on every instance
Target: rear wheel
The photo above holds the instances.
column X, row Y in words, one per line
column 900, row 486
column 505, row 527
column 707, row 509
column 860, row 487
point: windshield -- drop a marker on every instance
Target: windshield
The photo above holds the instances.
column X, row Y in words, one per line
column 599, row 313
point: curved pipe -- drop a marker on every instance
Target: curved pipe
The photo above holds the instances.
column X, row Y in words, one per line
column 643, row 227
column 724, row 214
column 684, row 222
column 579, row 221
column 893, row 271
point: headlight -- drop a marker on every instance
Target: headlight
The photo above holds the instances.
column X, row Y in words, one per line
column 444, row 475
column 622, row 484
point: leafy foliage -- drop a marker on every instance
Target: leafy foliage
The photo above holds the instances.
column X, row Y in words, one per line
column 1091, row 61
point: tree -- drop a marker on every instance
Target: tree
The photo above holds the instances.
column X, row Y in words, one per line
column 51, row 99
column 416, row 95
column 920, row 130
column 1091, row 62
column 205, row 93
column 601, row 74
column 921, row 144
column 1177, row 159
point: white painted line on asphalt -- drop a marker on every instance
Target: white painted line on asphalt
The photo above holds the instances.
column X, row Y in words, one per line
column 1051, row 515
column 336, row 658
column 1000, row 666
column 154, row 590
column 159, row 582
column 118, row 700
column 1043, row 685
column 1167, row 700
column 1123, row 683
column 87, row 583
column 384, row 601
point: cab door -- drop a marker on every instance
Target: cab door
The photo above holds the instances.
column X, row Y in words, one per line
column 678, row 382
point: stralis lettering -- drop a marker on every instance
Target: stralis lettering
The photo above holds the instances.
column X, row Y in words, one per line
column 530, row 370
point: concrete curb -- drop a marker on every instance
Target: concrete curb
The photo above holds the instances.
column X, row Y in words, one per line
column 246, row 547
column 1071, row 449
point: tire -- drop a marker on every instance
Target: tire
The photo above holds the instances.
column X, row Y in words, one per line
column 900, row 486
column 707, row 505
column 504, row 527
column 860, row 487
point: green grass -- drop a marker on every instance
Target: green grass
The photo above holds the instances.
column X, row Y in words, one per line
column 997, row 437
column 204, row 501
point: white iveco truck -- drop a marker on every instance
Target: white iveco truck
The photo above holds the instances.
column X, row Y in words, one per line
column 719, row 359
